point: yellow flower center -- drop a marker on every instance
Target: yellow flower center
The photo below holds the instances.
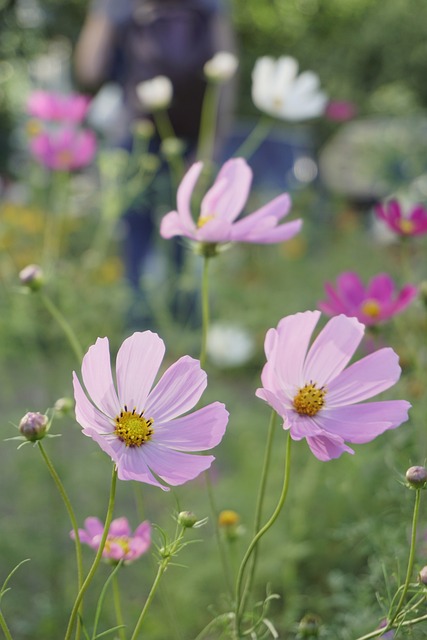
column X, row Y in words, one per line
column 228, row 518
column 122, row 541
column 64, row 158
column 33, row 128
column 309, row 399
column 371, row 308
column 203, row 220
column 277, row 102
column 132, row 428
column 406, row 226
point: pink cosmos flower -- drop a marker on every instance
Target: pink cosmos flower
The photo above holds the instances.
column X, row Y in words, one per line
column 340, row 110
column 64, row 150
column 413, row 223
column 376, row 302
column 121, row 544
column 141, row 429
column 314, row 393
column 46, row 105
column 221, row 206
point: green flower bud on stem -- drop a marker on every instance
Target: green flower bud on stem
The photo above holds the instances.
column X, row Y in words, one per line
column 422, row 576
column 187, row 519
column 416, row 477
column 32, row 277
column 34, row 426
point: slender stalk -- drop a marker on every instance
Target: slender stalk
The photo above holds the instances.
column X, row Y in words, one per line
column 205, row 147
column 97, row 559
column 205, row 310
column 65, row 326
column 380, row 632
column 260, row 502
column 4, row 627
column 118, row 608
column 411, row 558
column 71, row 515
column 160, row 571
column 255, row 138
column 239, row 608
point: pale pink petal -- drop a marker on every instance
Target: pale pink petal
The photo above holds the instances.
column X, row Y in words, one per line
column 184, row 193
column 175, row 467
column 178, row 390
column 200, row 430
column 132, row 465
column 278, row 208
column 94, row 526
column 115, row 551
column 172, row 225
column 84, row 537
column 119, row 527
column 333, row 305
column 274, row 400
column 229, row 201
column 97, row 378
column 215, row 230
column 138, row 546
column 87, row 415
column 138, row 361
column 302, row 426
column 143, row 531
column 108, row 443
column 326, row 448
column 363, row 422
column 332, row 349
column 295, row 332
column 365, row 378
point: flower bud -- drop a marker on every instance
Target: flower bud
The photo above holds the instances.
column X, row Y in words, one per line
column 155, row 94
column 309, row 626
column 416, row 477
column 187, row 519
column 144, row 129
column 33, row 426
column 221, row 67
column 32, row 277
column 63, row 406
column 228, row 518
column 422, row 576
column 172, row 147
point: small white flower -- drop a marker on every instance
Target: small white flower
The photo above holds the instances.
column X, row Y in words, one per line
column 229, row 345
column 221, row 67
column 156, row 93
column 278, row 90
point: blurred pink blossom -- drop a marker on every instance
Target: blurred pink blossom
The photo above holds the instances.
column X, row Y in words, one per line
column 220, row 207
column 121, row 543
column 46, row 105
column 340, row 110
column 316, row 396
column 143, row 429
column 411, row 223
column 66, row 149
column 375, row 303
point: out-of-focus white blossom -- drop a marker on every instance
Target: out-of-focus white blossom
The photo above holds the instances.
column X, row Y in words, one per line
column 229, row 345
column 278, row 90
column 156, row 93
column 221, row 67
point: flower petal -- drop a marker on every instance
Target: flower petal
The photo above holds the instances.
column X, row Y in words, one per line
column 184, row 193
column 120, row 527
column 327, row 448
column 97, row 377
column 94, row 526
column 175, row 467
column 138, row 361
column 86, row 414
column 332, row 349
column 178, row 390
column 381, row 288
column 132, row 466
column 201, row 430
column 365, row 378
column 230, row 191
column 172, row 225
column 363, row 422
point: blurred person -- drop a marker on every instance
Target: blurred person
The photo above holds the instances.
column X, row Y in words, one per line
column 132, row 41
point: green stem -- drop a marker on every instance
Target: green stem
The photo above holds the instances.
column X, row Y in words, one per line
column 205, row 310
column 162, row 568
column 71, row 515
column 239, row 610
column 205, row 147
column 5, row 628
column 260, row 502
column 65, row 326
column 380, row 632
column 118, row 608
column 97, row 559
column 255, row 138
column 411, row 558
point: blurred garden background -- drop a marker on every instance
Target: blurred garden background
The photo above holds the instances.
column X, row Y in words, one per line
column 340, row 547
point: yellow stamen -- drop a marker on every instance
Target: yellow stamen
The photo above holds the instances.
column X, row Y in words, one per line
column 203, row 220
column 406, row 226
column 122, row 541
column 309, row 399
column 228, row 518
column 371, row 308
column 132, row 428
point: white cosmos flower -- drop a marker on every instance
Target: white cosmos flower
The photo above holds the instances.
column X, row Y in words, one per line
column 221, row 67
column 156, row 93
column 278, row 90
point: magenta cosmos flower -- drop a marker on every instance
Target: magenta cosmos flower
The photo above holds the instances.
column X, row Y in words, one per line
column 121, row 543
column 314, row 393
column 412, row 223
column 141, row 429
column 222, row 205
column 376, row 302
column 59, row 107
column 64, row 150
